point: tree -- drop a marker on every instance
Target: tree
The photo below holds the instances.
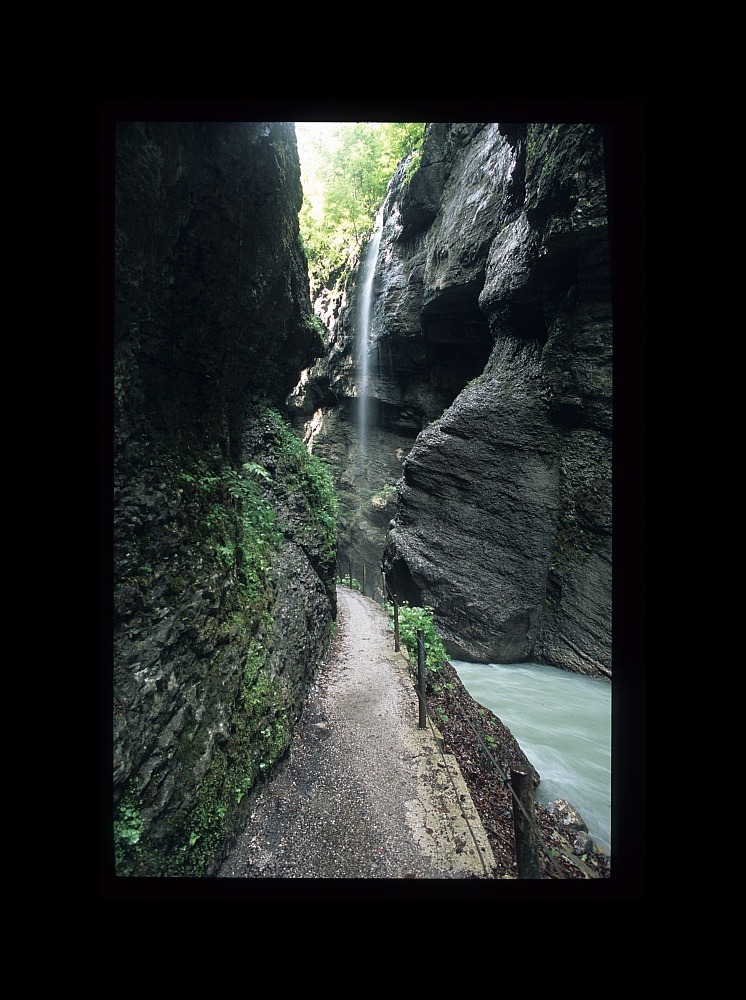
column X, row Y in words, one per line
column 345, row 170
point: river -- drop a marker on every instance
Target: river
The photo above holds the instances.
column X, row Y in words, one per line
column 563, row 724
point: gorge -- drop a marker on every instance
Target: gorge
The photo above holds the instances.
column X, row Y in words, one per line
column 486, row 482
column 255, row 456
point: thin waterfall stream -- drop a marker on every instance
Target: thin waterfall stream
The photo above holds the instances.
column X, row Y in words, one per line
column 363, row 339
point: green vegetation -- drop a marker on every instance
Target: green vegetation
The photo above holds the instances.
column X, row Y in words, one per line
column 434, row 423
column 232, row 521
column 381, row 498
column 553, row 150
column 310, row 480
column 345, row 171
column 260, row 736
column 128, row 826
column 411, row 619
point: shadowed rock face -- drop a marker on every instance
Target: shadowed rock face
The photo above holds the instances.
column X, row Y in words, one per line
column 223, row 580
column 493, row 270
column 478, row 501
column 211, row 282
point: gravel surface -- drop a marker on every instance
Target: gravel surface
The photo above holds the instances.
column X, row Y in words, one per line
column 364, row 793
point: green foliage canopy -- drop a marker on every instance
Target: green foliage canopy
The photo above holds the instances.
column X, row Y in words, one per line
column 345, row 171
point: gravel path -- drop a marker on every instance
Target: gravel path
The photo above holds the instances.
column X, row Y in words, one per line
column 364, row 793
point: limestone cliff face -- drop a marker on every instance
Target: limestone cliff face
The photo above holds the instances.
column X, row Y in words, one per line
column 212, row 285
column 493, row 304
column 223, row 526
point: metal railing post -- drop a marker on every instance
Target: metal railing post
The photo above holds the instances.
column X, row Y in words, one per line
column 421, row 667
column 526, row 845
column 396, row 622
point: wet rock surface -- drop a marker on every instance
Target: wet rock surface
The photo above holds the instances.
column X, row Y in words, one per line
column 503, row 523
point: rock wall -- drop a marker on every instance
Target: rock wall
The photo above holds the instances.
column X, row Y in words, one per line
column 224, row 527
column 491, row 389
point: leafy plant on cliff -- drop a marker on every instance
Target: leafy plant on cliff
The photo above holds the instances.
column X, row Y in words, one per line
column 381, row 498
column 411, row 167
column 306, row 475
column 128, row 825
column 411, row 619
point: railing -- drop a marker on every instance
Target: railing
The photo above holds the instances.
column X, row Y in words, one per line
column 529, row 840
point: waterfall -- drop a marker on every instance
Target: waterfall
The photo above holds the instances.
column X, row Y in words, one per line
column 363, row 336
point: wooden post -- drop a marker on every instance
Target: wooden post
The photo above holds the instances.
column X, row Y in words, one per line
column 350, row 566
column 364, row 581
column 396, row 623
column 526, row 846
column 385, row 598
column 421, row 668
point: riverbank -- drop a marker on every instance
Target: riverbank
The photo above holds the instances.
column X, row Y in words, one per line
column 486, row 750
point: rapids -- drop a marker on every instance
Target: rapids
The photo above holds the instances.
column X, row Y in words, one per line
column 563, row 723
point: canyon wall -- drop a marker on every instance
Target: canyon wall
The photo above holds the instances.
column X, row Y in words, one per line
column 483, row 488
column 224, row 526
column 485, row 491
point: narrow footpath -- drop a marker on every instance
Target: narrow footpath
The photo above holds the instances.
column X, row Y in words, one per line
column 364, row 793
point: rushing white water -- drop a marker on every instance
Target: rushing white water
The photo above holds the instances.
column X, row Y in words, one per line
column 563, row 723
column 363, row 337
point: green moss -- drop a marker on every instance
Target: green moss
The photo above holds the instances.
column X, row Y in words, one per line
column 260, row 736
column 311, row 479
column 128, row 827
column 381, row 498
column 411, row 167
column 189, row 841
column 553, row 152
column 233, row 520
